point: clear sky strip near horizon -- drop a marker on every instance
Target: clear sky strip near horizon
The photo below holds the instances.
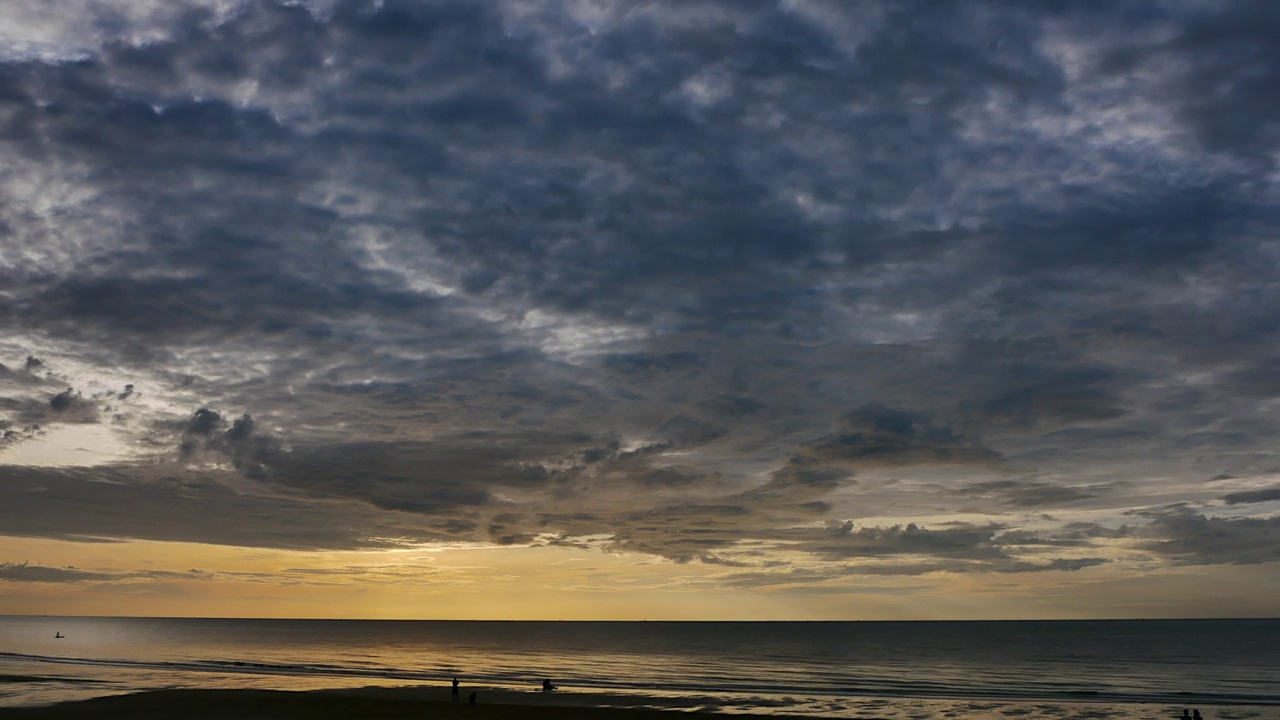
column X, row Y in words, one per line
column 607, row 309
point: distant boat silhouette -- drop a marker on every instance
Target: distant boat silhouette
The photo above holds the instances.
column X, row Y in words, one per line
column 58, row 635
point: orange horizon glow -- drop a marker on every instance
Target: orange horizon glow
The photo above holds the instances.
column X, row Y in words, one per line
column 556, row 583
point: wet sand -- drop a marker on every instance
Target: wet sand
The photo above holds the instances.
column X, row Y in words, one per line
column 434, row 703
column 351, row 704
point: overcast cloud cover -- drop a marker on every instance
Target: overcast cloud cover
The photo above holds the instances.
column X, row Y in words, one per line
column 810, row 290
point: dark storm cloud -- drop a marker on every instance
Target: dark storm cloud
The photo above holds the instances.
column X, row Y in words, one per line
column 801, row 478
column 204, row 422
column 685, row 274
column 26, row 572
column 1230, row 94
column 878, row 435
column 67, row 401
column 174, row 504
column 29, row 404
column 1025, row 494
column 428, row 478
column 1035, row 382
column 828, row 578
column 29, row 373
column 958, row 547
column 1252, row 496
column 966, row 542
column 1190, row 538
column 11, row 435
column 1261, row 380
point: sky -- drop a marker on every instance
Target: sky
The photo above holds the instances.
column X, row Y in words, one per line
column 622, row 309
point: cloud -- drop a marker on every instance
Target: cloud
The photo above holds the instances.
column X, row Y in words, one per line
column 399, row 575
column 29, row 374
column 878, row 435
column 1252, row 496
column 1190, row 538
column 678, row 278
column 1240, row 69
column 172, row 504
column 25, row 572
column 1261, row 380
column 959, row 542
column 1026, row 494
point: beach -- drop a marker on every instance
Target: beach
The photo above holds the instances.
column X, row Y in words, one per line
column 245, row 669
column 383, row 703
column 367, row 703
column 434, row 703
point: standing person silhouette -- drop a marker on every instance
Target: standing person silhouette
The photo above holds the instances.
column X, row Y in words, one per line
column 455, row 687
column 1195, row 715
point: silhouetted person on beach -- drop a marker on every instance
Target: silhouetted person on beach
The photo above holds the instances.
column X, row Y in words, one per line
column 455, row 687
column 471, row 699
column 1186, row 714
column 547, row 686
column 1195, row 715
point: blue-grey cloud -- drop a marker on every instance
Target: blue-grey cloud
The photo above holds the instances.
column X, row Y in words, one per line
column 1190, row 538
column 1252, row 496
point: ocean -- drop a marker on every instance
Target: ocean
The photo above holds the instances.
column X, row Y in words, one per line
column 897, row 670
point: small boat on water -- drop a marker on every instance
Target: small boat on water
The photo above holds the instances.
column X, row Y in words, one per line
column 58, row 635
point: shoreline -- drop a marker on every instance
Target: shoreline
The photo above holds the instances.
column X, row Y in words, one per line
column 370, row 703
column 434, row 703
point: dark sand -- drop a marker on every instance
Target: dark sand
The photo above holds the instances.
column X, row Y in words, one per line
column 351, row 704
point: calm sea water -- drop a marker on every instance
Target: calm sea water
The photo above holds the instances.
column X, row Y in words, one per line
column 1100, row 669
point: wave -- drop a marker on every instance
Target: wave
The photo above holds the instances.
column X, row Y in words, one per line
column 4, row 679
column 228, row 666
column 724, row 689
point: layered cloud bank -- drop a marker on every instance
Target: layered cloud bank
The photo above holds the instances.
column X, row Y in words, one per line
column 810, row 291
